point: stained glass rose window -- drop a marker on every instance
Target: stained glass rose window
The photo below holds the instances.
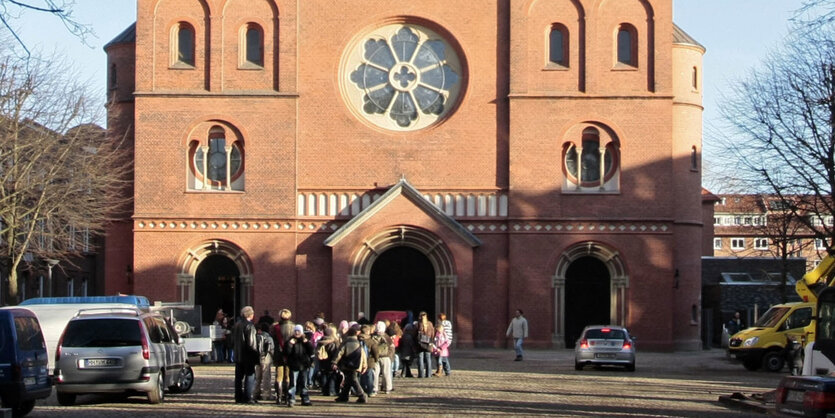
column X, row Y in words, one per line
column 402, row 77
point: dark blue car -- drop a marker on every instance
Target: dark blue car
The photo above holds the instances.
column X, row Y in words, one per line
column 24, row 375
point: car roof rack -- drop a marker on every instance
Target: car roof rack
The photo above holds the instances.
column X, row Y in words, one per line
column 99, row 311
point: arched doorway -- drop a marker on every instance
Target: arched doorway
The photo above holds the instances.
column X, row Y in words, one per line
column 405, row 240
column 402, row 279
column 218, row 286
column 587, row 297
column 215, row 274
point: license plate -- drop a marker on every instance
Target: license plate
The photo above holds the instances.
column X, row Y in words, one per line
column 29, row 381
column 604, row 355
column 794, row 396
column 100, row 362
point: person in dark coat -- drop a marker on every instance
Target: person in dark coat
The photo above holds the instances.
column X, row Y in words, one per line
column 299, row 352
column 407, row 350
column 246, row 356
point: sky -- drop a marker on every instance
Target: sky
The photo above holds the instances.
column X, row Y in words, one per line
column 736, row 33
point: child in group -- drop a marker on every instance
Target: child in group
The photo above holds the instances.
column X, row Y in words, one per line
column 441, row 351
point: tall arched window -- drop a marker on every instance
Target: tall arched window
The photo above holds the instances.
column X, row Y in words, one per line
column 695, row 78
column 252, row 45
column 558, row 45
column 216, row 163
column 182, row 44
column 627, row 43
column 590, row 165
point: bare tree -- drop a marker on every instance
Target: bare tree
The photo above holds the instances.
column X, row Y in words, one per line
column 60, row 180
column 783, row 116
column 814, row 13
column 11, row 10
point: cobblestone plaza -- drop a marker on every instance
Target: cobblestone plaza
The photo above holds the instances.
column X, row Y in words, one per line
column 485, row 382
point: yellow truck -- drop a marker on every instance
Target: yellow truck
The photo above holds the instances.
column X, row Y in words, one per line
column 763, row 345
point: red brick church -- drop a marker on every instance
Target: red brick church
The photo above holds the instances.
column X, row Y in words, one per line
column 450, row 156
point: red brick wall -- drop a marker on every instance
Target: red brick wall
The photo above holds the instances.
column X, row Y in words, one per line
column 506, row 133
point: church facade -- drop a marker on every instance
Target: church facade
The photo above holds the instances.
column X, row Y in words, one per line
column 470, row 158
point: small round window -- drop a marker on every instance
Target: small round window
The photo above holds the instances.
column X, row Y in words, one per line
column 402, row 77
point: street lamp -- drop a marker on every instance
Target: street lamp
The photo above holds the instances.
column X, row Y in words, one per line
column 50, row 263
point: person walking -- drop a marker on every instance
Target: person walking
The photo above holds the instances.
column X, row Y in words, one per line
column 518, row 329
column 299, row 352
column 426, row 335
column 246, row 356
column 351, row 360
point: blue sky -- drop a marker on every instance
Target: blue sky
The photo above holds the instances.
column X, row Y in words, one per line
column 736, row 33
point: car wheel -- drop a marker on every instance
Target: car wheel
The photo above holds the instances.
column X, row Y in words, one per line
column 66, row 399
column 578, row 365
column 630, row 367
column 185, row 379
column 773, row 361
column 23, row 408
column 751, row 364
column 156, row 394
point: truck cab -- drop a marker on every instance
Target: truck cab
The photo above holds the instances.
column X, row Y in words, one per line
column 763, row 344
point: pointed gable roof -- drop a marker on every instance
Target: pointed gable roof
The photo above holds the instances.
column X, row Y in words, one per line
column 405, row 189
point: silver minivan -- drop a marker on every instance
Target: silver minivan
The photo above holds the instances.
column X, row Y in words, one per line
column 120, row 350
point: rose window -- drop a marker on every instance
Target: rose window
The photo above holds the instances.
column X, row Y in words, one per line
column 402, row 77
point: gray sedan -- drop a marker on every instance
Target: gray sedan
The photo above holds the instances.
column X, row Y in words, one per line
column 605, row 345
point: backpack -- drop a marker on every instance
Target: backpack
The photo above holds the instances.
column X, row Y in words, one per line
column 351, row 361
column 322, row 352
column 382, row 347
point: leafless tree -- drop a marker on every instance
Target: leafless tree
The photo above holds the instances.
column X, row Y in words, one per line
column 814, row 13
column 10, row 10
column 783, row 118
column 60, row 180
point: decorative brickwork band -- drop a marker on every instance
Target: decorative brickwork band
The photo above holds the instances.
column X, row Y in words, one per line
column 350, row 203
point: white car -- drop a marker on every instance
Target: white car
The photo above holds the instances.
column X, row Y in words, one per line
column 605, row 345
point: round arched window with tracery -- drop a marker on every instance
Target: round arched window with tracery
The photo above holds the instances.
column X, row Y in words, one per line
column 402, row 77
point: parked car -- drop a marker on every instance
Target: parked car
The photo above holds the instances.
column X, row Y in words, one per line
column 120, row 350
column 393, row 316
column 24, row 377
column 806, row 396
column 605, row 345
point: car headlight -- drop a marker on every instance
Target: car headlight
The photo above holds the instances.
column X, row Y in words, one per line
column 751, row 341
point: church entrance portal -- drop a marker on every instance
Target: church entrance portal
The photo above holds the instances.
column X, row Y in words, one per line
column 587, row 297
column 402, row 279
column 218, row 286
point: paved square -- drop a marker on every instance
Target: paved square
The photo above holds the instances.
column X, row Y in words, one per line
column 484, row 382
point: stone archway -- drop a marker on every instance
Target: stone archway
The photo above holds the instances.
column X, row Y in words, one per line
column 429, row 244
column 192, row 258
column 618, row 282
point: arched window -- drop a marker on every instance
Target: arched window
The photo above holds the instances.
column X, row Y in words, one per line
column 627, row 42
column 694, row 159
column 113, row 76
column 216, row 163
column 253, row 45
column 182, row 44
column 591, row 165
column 695, row 78
column 558, row 45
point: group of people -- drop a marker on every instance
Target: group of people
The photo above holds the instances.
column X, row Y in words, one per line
column 356, row 357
